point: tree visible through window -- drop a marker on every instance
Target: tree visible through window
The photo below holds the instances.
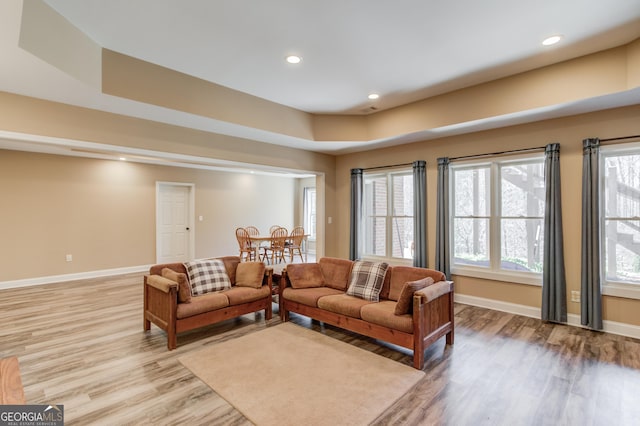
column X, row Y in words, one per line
column 498, row 215
column 621, row 216
column 388, row 214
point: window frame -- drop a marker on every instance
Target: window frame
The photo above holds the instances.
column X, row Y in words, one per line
column 624, row 289
column 388, row 175
column 494, row 270
column 309, row 213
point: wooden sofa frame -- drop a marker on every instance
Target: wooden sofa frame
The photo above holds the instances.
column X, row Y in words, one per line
column 160, row 308
column 431, row 320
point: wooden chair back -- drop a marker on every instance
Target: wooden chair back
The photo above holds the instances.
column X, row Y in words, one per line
column 252, row 230
column 244, row 243
column 296, row 236
column 273, row 228
column 279, row 238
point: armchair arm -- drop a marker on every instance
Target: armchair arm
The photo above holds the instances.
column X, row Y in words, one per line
column 285, row 280
column 434, row 291
column 163, row 284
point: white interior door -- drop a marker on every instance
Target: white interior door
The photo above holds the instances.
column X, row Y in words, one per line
column 174, row 227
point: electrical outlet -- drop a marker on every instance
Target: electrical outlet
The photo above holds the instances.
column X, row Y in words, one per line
column 69, row 258
column 575, row 296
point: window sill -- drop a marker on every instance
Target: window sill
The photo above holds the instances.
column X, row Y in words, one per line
column 628, row 291
column 390, row 260
column 518, row 278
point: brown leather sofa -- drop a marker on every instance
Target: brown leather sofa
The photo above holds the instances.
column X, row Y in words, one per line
column 318, row 290
column 169, row 305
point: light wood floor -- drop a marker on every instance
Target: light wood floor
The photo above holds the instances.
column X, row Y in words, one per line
column 81, row 344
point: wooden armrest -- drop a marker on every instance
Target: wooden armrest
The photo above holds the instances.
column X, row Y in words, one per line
column 161, row 283
column 284, row 280
column 434, row 291
column 268, row 277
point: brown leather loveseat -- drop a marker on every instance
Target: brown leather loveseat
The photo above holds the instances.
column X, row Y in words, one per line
column 413, row 309
column 170, row 304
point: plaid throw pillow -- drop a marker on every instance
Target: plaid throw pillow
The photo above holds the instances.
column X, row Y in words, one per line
column 367, row 279
column 206, row 276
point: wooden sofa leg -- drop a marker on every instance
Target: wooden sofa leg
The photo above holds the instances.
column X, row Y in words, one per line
column 418, row 359
column 146, row 325
column 284, row 314
column 449, row 338
column 172, row 339
column 268, row 311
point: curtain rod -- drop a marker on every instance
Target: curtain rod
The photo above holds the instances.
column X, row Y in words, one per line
column 620, row 138
column 492, row 154
column 388, row 167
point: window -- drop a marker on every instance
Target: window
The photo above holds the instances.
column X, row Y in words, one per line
column 620, row 215
column 388, row 214
column 310, row 212
column 498, row 218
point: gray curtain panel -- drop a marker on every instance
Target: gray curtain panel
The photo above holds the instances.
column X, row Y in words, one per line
column 590, row 293
column 356, row 213
column 443, row 252
column 420, row 213
column 554, row 287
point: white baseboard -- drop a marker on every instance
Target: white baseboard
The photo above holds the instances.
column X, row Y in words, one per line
column 612, row 327
column 27, row 282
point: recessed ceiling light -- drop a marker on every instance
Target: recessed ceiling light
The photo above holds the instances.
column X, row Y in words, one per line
column 551, row 40
column 373, row 96
column 293, row 59
column 123, row 159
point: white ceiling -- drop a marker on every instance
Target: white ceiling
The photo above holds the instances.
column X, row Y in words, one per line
column 405, row 50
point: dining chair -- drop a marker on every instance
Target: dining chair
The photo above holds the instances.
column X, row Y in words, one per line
column 247, row 251
column 294, row 242
column 252, row 230
column 276, row 246
column 273, row 228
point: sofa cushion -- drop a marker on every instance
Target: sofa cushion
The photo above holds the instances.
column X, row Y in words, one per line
column 405, row 301
column 343, row 304
column 200, row 304
column 384, row 292
column 383, row 313
column 336, row 272
column 206, row 276
column 250, row 274
column 367, row 279
column 240, row 295
column 305, row 275
column 402, row 274
column 308, row 296
column 184, row 289
column 230, row 264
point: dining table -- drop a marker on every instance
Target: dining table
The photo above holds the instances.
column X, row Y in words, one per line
column 257, row 240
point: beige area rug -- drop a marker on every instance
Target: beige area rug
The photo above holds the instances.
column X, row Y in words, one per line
column 290, row 375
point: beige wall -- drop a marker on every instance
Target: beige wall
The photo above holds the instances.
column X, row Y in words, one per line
column 103, row 212
column 32, row 116
column 569, row 132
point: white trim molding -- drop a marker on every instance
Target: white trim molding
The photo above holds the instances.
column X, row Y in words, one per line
column 51, row 279
column 613, row 327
